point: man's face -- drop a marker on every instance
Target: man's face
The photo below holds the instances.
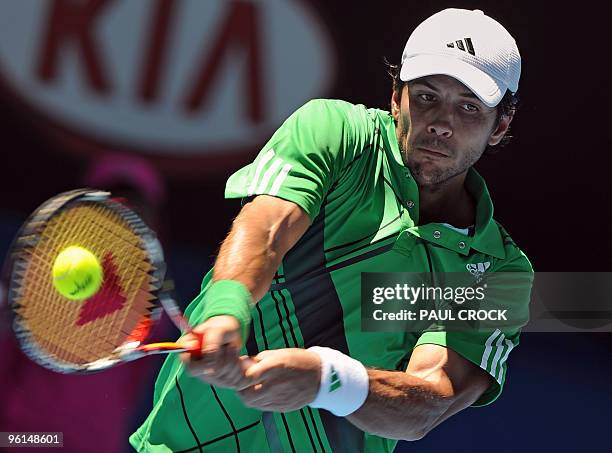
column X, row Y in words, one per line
column 443, row 128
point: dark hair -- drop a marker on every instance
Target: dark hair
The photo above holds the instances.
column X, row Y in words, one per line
column 506, row 107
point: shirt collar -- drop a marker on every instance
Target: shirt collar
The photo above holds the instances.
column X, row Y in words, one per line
column 487, row 238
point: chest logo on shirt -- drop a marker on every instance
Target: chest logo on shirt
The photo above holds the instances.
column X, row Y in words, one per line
column 477, row 269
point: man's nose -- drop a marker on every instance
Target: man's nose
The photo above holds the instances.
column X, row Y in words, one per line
column 440, row 129
column 441, row 124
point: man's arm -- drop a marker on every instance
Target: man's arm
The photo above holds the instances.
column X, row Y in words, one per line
column 262, row 233
column 438, row 383
column 400, row 405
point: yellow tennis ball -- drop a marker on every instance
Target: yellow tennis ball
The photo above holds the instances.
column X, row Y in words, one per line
column 77, row 274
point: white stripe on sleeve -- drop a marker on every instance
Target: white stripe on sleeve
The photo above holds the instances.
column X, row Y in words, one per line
column 487, row 352
column 268, row 175
column 499, row 349
column 262, row 163
column 503, row 360
column 280, row 178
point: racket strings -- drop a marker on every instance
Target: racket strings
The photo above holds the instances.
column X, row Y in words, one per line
column 57, row 324
column 42, row 255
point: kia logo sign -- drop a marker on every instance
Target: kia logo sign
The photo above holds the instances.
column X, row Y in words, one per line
column 165, row 77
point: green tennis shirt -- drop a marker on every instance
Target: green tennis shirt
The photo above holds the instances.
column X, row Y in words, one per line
column 341, row 163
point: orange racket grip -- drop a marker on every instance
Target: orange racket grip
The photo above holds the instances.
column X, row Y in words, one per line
column 196, row 352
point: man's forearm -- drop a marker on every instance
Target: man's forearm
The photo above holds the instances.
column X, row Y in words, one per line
column 248, row 256
column 260, row 236
column 402, row 406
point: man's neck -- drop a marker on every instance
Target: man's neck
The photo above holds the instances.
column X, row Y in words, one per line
column 447, row 203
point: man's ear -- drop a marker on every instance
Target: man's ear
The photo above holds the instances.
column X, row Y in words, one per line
column 501, row 129
column 395, row 104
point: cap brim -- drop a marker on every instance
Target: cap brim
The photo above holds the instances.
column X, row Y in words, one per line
column 481, row 84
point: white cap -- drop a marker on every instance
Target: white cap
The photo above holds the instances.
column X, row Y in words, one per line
column 469, row 46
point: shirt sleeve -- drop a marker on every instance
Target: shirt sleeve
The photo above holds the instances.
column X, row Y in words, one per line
column 490, row 349
column 302, row 159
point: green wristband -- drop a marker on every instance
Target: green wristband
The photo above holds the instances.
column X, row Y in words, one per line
column 229, row 297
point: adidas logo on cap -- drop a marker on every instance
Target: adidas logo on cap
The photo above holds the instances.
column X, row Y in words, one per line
column 464, row 44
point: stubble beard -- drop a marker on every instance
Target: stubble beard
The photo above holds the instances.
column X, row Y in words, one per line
column 432, row 177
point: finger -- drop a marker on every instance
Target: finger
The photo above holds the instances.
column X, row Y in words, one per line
column 200, row 364
column 189, row 341
column 267, row 354
column 193, row 367
column 262, row 370
column 211, row 356
column 214, row 357
column 196, row 367
column 251, row 395
column 192, row 341
column 240, row 379
column 232, row 337
column 226, row 372
column 230, row 369
column 196, row 347
column 227, row 327
column 262, row 397
column 216, row 338
column 251, row 391
column 247, row 361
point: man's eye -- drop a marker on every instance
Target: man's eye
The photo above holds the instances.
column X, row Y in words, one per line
column 469, row 107
column 427, row 97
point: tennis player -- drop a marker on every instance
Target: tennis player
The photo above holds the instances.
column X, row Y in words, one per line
column 338, row 190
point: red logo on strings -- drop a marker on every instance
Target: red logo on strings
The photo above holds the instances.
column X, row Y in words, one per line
column 109, row 297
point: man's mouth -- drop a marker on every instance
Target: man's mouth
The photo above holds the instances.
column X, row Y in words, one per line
column 432, row 152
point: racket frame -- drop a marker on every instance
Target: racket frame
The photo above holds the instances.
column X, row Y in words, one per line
column 26, row 240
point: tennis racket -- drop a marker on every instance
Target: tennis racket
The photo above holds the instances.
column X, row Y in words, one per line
column 111, row 326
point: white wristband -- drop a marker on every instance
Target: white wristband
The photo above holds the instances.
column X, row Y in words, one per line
column 344, row 382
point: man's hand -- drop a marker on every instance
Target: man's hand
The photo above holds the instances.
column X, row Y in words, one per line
column 219, row 363
column 283, row 380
